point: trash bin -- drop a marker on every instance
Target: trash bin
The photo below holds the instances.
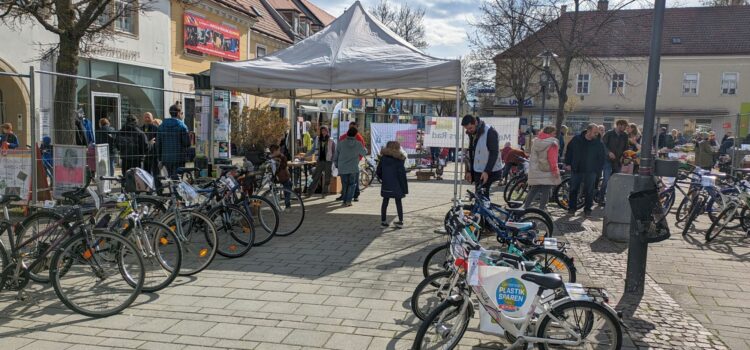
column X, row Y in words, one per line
column 649, row 215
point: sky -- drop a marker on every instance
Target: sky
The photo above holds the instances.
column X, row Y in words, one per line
column 447, row 22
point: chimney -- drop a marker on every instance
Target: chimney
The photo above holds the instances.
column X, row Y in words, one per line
column 563, row 8
column 602, row 5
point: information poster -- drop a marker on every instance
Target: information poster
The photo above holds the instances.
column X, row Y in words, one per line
column 220, row 117
column 201, row 123
column 441, row 131
column 405, row 134
column 69, row 169
column 211, row 38
column 102, row 168
column 15, row 173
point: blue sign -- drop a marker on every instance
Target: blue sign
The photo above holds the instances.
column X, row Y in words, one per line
column 511, row 294
column 526, row 103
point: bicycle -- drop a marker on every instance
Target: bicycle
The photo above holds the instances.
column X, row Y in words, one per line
column 739, row 204
column 286, row 202
column 81, row 254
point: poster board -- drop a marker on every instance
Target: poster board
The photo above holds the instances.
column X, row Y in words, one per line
column 220, row 117
column 102, row 168
column 201, row 123
column 15, row 173
column 441, row 131
column 405, row 134
column 70, row 168
column 211, row 38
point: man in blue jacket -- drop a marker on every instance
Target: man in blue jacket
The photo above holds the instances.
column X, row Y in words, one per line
column 173, row 141
column 585, row 159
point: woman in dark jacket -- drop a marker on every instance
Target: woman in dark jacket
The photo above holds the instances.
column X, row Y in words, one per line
column 132, row 143
column 392, row 175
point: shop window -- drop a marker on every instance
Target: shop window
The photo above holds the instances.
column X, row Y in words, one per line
column 582, row 86
column 729, row 83
column 690, row 84
column 618, row 84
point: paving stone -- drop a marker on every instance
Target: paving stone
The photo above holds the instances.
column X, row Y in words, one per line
column 267, row 334
column 190, row 327
column 228, row 331
column 307, row 338
column 348, row 341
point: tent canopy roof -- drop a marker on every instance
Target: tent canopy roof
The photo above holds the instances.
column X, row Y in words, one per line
column 355, row 56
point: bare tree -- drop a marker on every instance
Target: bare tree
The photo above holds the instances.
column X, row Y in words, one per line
column 501, row 26
column 576, row 35
column 724, row 2
column 79, row 25
column 404, row 20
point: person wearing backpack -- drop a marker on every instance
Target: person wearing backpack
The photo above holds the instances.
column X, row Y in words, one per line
column 132, row 144
column 282, row 174
column 543, row 173
column 392, row 175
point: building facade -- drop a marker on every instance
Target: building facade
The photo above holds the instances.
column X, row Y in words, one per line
column 701, row 85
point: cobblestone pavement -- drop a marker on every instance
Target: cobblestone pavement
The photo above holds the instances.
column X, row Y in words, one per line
column 341, row 282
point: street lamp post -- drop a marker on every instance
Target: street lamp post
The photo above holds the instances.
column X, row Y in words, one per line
column 474, row 106
column 544, row 80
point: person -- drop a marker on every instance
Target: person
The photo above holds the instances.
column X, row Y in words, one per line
column 172, row 141
column 727, row 144
column 521, row 138
column 150, row 161
column 107, row 135
column 561, row 141
column 132, row 143
column 634, row 138
column 347, row 162
column 392, row 175
column 543, row 174
column 601, row 130
column 680, row 139
column 307, row 139
column 8, row 138
column 704, row 153
column 511, row 157
column 675, row 138
column 282, row 174
column 360, row 139
column 712, row 139
column 725, row 137
column 661, row 139
column 484, row 164
column 585, row 158
column 323, row 148
column 616, row 142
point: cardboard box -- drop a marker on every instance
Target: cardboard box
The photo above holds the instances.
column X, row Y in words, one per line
column 335, row 186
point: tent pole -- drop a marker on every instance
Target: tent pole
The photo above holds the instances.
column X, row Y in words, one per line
column 457, row 176
column 211, row 128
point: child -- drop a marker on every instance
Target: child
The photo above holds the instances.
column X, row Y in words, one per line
column 392, row 174
column 282, row 172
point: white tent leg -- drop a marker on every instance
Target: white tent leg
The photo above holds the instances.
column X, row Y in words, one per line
column 457, row 177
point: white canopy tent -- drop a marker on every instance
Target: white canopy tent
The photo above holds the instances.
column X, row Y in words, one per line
column 356, row 56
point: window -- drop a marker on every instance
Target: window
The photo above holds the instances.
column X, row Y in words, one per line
column 690, row 83
column 423, row 109
column 260, row 51
column 729, row 83
column 295, row 24
column 127, row 21
column 618, row 84
column 576, row 124
column 583, row 84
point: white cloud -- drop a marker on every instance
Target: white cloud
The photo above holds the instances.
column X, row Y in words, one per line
column 445, row 31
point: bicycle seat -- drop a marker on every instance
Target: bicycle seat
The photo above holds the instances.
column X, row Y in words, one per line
column 7, row 198
column 515, row 204
column 519, row 226
column 548, row 281
column 74, row 196
column 186, row 170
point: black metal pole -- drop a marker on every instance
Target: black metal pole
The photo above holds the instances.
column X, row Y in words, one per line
column 635, row 277
column 544, row 97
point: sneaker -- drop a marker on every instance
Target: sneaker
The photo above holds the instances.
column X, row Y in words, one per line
column 384, row 224
column 399, row 224
column 339, row 198
column 356, row 199
column 347, row 204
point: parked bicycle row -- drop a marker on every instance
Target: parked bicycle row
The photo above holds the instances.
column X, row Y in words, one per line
column 99, row 251
column 526, row 290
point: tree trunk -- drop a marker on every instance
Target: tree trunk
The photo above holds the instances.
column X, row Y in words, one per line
column 519, row 109
column 562, row 99
column 65, row 91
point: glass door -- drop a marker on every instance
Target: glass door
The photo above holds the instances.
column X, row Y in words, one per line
column 106, row 105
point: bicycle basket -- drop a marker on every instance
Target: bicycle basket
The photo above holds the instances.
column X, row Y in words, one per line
column 138, row 180
column 649, row 215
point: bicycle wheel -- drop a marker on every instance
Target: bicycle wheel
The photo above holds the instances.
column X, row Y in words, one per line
column 92, row 281
column 153, row 207
column 444, row 327
column 437, row 260
column 35, row 225
column 552, row 261
column 561, row 195
column 234, row 229
column 263, row 214
column 291, row 214
column 683, row 209
column 161, row 251
column 197, row 234
column 596, row 326
column 518, row 192
column 745, row 219
column 365, row 178
column 667, row 199
column 430, row 293
column 714, row 206
column 3, row 257
column 722, row 221
column 509, row 186
column 696, row 208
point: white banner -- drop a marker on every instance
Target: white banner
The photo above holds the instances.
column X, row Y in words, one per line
column 441, row 131
column 405, row 134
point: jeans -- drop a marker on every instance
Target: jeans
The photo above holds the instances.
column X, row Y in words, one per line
column 609, row 169
column 587, row 180
column 356, row 186
column 543, row 191
column 287, row 195
column 384, row 209
column 349, row 183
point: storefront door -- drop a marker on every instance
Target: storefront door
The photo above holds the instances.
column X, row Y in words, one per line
column 106, row 105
